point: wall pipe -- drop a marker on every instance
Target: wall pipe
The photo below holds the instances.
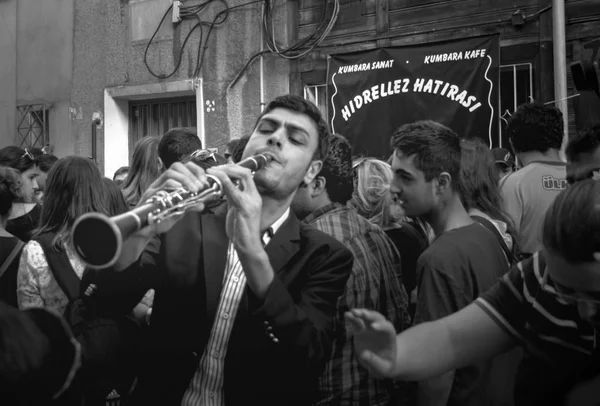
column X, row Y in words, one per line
column 95, row 124
column 262, row 61
column 560, row 63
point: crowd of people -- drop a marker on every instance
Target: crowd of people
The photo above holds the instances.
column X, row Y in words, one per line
column 448, row 274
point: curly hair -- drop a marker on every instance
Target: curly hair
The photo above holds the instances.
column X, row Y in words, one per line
column 436, row 149
column 536, row 127
column 583, row 142
column 337, row 170
column 302, row 106
column 18, row 158
column 372, row 198
column 10, row 185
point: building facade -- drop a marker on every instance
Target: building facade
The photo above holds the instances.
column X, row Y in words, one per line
column 82, row 77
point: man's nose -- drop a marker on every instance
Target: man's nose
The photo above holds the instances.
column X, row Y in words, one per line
column 276, row 138
column 395, row 188
column 587, row 311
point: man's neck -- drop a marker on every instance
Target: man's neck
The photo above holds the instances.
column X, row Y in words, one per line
column 272, row 210
column 449, row 216
column 552, row 155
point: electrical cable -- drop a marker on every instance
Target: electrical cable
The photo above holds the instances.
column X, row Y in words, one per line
column 297, row 50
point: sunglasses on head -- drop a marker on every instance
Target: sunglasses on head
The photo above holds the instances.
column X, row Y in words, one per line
column 28, row 154
column 202, row 154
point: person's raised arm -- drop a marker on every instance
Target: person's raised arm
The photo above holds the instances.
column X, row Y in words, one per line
column 428, row 349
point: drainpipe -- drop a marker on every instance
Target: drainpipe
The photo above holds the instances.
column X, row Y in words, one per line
column 560, row 63
column 95, row 123
column 262, row 60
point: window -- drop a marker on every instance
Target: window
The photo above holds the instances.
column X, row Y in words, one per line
column 33, row 128
column 155, row 117
column 516, row 88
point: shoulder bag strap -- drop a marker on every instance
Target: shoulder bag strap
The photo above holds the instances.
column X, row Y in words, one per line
column 61, row 267
column 490, row 226
column 11, row 257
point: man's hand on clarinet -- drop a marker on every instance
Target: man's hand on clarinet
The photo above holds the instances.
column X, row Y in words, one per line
column 375, row 341
column 244, row 207
column 189, row 176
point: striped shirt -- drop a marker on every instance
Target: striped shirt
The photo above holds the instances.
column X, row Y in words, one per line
column 373, row 284
column 560, row 345
column 206, row 387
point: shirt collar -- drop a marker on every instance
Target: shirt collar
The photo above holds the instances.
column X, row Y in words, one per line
column 270, row 232
column 321, row 211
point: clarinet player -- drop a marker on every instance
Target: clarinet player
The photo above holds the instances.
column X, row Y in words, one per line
column 245, row 294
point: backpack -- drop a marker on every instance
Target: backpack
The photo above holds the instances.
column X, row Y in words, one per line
column 108, row 343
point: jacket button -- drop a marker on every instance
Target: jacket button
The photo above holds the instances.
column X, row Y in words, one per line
column 275, row 340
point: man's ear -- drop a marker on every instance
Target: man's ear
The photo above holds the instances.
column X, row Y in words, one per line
column 161, row 165
column 313, row 170
column 444, row 182
column 597, row 256
column 318, row 186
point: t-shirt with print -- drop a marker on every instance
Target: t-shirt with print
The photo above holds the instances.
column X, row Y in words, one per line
column 457, row 267
column 527, row 194
column 561, row 348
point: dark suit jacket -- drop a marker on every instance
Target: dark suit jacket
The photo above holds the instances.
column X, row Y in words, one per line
column 278, row 345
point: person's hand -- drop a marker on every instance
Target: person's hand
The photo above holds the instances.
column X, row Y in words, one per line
column 244, row 206
column 189, row 176
column 375, row 341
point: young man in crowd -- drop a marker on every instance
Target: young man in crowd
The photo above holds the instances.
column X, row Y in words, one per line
column 373, row 284
column 245, row 296
column 177, row 143
column 535, row 133
column 549, row 304
column 462, row 262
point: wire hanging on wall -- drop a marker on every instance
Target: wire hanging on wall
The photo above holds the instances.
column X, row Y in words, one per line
column 297, row 50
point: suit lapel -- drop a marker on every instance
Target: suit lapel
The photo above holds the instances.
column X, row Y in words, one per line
column 284, row 244
column 214, row 247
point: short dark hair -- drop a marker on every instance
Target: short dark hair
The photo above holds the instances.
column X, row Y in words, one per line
column 232, row 144
column 238, row 150
column 10, row 185
column 337, row 170
column 536, row 127
column 17, row 158
column 177, row 143
column 45, row 162
column 586, row 141
column 302, row 106
column 436, row 149
column 572, row 222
